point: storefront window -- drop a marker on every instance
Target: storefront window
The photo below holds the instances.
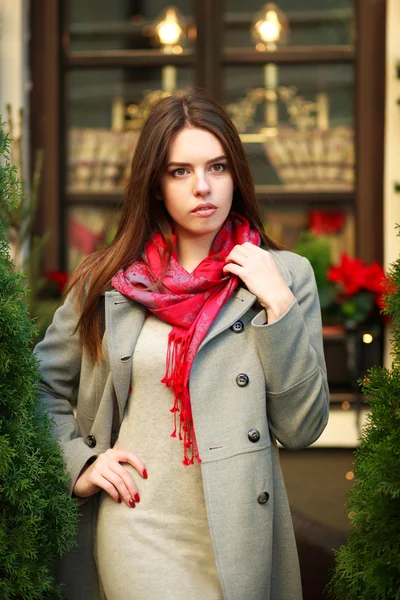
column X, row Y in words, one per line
column 299, row 130
column 121, row 24
column 311, row 23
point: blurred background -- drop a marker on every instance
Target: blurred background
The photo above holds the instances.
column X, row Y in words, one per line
column 313, row 88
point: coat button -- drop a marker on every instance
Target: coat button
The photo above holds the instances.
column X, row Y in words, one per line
column 253, row 435
column 263, row 498
column 91, row 441
column 242, row 380
column 237, row 327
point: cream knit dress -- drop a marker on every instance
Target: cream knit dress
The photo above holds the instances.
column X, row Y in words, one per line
column 161, row 549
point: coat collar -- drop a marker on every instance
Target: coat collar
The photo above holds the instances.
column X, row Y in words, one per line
column 124, row 320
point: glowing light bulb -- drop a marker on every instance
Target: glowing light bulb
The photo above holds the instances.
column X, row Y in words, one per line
column 270, row 26
column 168, row 30
column 367, row 338
column 270, row 29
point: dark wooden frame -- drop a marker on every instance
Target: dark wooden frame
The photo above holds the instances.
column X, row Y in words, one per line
column 51, row 59
column 209, row 23
column 45, row 52
column 370, row 124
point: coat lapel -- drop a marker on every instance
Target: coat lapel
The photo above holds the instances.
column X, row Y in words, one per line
column 124, row 321
column 233, row 309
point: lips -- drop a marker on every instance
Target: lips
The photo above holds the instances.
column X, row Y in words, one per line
column 203, row 207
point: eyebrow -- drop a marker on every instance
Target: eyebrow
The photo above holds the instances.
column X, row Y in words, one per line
column 184, row 164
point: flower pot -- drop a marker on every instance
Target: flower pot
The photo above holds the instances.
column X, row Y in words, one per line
column 364, row 349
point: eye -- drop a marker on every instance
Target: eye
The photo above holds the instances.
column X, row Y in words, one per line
column 179, row 172
column 218, row 167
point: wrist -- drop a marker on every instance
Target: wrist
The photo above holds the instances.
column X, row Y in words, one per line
column 77, row 491
column 276, row 309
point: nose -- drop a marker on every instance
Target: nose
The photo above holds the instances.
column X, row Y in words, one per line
column 201, row 187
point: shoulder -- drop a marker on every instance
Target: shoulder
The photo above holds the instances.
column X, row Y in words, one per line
column 290, row 259
column 294, row 268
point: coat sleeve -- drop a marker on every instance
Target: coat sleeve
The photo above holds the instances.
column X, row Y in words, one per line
column 60, row 356
column 291, row 352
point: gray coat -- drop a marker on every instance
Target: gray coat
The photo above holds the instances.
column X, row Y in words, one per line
column 285, row 398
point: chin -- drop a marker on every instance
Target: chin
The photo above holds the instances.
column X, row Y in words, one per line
column 212, row 226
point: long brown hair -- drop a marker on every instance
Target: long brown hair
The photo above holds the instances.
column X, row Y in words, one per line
column 143, row 213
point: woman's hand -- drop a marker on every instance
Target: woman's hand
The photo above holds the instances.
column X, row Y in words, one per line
column 257, row 269
column 107, row 474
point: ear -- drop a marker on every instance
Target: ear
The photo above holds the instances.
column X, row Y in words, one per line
column 159, row 196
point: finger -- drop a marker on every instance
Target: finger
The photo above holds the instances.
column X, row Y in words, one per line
column 106, row 485
column 249, row 247
column 122, row 482
column 241, row 249
column 106, row 466
column 234, row 269
column 95, row 480
column 131, row 458
column 130, row 485
column 236, row 256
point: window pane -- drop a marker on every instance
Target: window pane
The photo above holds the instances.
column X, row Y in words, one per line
column 287, row 224
column 106, row 108
column 120, row 24
column 302, row 135
column 88, row 230
column 312, row 22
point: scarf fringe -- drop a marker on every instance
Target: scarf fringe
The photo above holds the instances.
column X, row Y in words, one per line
column 178, row 345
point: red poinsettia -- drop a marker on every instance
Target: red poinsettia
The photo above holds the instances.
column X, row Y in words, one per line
column 356, row 277
column 59, row 278
column 326, row 222
column 350, row 273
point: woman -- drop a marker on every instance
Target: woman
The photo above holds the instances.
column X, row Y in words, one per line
column 212, row 350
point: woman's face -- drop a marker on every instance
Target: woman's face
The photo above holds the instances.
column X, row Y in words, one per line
column 197, row 184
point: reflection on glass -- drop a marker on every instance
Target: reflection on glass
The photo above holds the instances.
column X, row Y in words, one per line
column 312, row 145
column 288, row 224
column 119, row 25
column 169, row 29
column 106, row 110
column 99, row 159
column 311, row 22
column 270, row 29
column 88, row 230
column 270, row 26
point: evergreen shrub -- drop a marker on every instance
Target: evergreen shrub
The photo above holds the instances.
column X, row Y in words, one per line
column 37, row 518
column 368, row 566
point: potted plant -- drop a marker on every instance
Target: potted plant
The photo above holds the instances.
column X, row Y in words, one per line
column 350, row 295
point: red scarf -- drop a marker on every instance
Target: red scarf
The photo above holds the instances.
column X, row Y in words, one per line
column 188, row 301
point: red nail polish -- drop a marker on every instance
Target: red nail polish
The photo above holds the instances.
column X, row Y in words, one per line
column 119, row 500
column 137, row 498
column 144, row 474
column 132, row 504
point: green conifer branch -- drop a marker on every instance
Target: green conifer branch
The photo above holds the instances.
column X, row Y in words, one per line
column 37, row 518
column 368, row 566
